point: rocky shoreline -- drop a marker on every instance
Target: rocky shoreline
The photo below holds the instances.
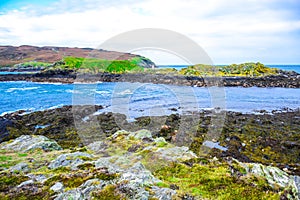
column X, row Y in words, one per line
column 46, row 154
column 268, row 138
column 284, row 79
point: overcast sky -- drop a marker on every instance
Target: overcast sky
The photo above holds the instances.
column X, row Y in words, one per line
column 230, row 31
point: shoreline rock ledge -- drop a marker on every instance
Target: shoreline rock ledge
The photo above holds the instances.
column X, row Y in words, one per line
column 285, row 79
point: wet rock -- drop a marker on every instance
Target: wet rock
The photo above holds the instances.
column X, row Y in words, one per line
column 26, row 143
column 20, row 167
column 57, row 187
column 70, row 159
column 3, row 124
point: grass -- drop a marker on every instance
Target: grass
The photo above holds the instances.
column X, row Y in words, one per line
column 94, row 65
column 99, row 65
column 10, row 158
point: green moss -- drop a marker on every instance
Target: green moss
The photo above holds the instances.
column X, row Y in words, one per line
column 107, row 193
column 69, row 180
column 215, row 182
column 60, row 170
column 4, row 158
column 72, row 179
column 86, row 166
column 162, row 184
column 105, row 176
column 161, row 144
column 8, row 181
column 22, row 154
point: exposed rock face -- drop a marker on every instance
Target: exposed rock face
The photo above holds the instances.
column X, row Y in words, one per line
column 26, row 143
column 20, row 168
column 70, row 159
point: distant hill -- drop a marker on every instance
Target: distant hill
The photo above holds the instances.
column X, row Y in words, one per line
column 11, row 55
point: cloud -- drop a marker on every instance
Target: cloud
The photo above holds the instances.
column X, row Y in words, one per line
column 230, row 31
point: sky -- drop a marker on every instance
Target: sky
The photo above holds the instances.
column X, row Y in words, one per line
column 230, row 31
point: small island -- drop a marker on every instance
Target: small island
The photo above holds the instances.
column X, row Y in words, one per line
column 133, row 68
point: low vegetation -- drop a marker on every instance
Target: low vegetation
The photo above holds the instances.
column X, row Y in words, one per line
column 33, row 64
column 95, row 65
column 136, row 65
column 214, row 181
column 244, row 69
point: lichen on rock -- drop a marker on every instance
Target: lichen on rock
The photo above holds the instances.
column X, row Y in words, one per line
column 26, row 143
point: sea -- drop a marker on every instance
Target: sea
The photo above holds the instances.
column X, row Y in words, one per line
column 144, row 99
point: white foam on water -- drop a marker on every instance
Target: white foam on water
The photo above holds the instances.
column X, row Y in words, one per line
column 21, row 89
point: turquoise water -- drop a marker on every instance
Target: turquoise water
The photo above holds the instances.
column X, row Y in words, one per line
column 142, row 99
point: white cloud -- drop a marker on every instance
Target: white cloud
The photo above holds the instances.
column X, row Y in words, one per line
column 230, row 31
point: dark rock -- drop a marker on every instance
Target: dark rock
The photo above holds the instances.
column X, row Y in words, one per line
column 3, row 130
column 290, row 80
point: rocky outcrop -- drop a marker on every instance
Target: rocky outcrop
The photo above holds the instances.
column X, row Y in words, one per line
column 26, row 143
column 125, row 174
column 70, row 160
column 285, row 79
column 20, row 168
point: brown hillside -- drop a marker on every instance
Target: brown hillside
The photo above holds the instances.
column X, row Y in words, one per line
column 10, row 55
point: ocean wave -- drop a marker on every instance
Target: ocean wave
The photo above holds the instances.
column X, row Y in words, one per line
column 26, row 111
column 57, row 106
column 103, row 92
column 125, row 92
column 21, row 89
column 74, row 91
